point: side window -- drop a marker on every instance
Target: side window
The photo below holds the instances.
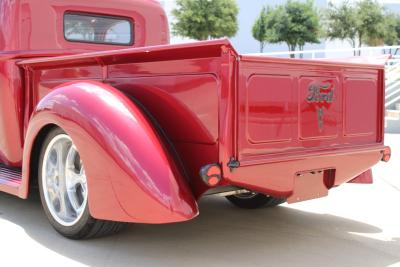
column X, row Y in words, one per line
column 88, row 28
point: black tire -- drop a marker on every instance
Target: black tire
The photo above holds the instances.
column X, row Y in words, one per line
column 254, row 200
column 87, row 226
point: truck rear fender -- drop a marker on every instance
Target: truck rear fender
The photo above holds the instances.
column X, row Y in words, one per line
column 131, row 175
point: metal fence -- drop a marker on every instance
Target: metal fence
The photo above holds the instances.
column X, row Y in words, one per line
column 330, row 53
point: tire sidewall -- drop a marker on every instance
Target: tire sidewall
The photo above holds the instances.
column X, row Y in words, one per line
column 68, row 231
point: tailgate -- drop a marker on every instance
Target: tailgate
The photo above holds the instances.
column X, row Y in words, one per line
column 290, row 107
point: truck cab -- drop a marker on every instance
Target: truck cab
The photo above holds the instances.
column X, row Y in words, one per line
column 113, row 124
column 28, row 26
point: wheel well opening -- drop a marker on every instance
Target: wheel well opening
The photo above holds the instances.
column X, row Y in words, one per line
column 34, row 159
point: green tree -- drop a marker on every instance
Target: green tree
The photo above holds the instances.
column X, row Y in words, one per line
column 391, row 31
column 205, row 19
column 390, row 36
column 397, row 29
column 359, row 23
column 303, row 23
column 370, row 22
column 341, row 23
column 260, row 29
column 294, row 23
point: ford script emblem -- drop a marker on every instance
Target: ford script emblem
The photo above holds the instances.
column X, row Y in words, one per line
column 321, row 96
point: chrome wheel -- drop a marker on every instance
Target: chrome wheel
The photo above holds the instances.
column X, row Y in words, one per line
column 64, row 181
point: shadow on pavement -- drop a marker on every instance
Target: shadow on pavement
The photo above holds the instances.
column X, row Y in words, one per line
column 221, row 235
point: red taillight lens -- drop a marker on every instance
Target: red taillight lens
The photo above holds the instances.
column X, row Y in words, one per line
column 211, row 174
column 386, row 154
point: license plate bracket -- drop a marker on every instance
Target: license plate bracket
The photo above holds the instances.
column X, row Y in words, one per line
column 308, row 185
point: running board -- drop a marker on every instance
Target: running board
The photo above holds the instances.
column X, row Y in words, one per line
column 10, row 179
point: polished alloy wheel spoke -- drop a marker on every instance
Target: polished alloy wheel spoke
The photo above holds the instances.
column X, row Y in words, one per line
column 64, row 181
column 63, row 205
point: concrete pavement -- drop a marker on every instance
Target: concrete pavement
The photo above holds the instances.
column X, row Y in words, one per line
column 390, row 172
column 357, row 225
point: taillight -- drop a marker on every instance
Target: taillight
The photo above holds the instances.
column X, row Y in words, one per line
column 211, row 174
column 386, row 154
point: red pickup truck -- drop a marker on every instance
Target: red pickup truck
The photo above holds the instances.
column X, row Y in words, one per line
column 113, row 124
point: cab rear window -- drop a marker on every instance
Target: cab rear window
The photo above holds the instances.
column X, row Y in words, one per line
column 99, row 29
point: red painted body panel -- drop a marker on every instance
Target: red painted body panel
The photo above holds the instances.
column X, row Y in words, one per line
column 30, row 26
column 121, row 151
column 277, row 177
column 146, row 119
column 11, row 110
column 193, row 98
column 364, row 178
column 276, row 118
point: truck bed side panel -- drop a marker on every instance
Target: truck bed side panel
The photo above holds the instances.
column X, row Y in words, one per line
column 272, row 119
column 180, row 95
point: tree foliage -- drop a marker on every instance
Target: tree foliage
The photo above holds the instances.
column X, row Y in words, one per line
column 205, row 19
column 341, row 23
column 359, row 23
column 391, row 29
column 370, row 22
column 295, row 23
column 303, row 24
column 260, row 30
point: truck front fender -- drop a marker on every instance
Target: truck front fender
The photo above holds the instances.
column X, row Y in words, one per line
column 131, row 176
